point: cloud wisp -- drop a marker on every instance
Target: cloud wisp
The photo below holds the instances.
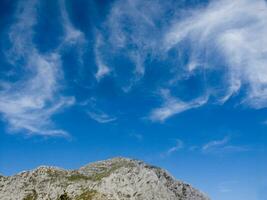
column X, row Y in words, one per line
column 222, row 146
column 173, row 106
column 101, row 117
column 72, row 35
column 215, row 144
column 130, row 32
column 224, row 39
column 179, row 145
column 228, row 34
column 29, row 103
column 102, row 68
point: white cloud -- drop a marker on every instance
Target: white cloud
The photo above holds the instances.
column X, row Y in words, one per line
column 103, row 69
column 29, row 103
column 215, row 144
column 230, row 34
column 96, row 114
column 101, row 117
column 72, row 35
column 132, row 32
column 224, row 37
column 172, row 106
column 179, row 144
column 222, row 146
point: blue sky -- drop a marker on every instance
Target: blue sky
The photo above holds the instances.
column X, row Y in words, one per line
column 178, row 84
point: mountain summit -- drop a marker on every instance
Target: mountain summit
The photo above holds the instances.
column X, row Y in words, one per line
column 113, row 179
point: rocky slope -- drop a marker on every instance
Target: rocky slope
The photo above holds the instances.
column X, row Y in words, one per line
column 114, row 179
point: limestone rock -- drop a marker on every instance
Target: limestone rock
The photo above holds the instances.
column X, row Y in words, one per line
column 114, row 179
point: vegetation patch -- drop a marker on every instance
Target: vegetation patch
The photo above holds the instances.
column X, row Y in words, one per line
column 77, row 177
column 107, row 171
column 87, row 195
column 104, row 171
column 31, row 196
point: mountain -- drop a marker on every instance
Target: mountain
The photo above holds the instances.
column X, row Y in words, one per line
column 113, row 179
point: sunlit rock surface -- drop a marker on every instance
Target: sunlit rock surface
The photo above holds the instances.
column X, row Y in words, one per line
column 114, row 179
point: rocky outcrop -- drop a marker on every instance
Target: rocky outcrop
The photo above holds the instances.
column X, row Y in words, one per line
column 114, row 179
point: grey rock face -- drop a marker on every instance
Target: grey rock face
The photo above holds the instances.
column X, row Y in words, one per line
column 114, row 179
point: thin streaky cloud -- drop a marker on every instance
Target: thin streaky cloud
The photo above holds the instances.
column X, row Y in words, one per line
column 102, row 68
column 172, row 106
column 136, row 42
column 236, row 31
column 101, row 117
column 72, row 34
column 215, row 143
column 223, row 146
column 224, row 35
column 28, row 104
column 179, row 145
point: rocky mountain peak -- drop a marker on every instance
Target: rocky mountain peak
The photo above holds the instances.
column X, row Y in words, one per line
column 113, row 179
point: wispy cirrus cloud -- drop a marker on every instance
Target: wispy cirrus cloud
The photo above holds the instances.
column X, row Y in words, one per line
column 29, row 103
column 228, row 34
column 223, row 146
column 95, row 113
column 72, row 35
column 101, row 117
column 172, row 106
column 179, row 144
column 130, row 32
column 215, row 144
column 102, row 68
column 225, row 40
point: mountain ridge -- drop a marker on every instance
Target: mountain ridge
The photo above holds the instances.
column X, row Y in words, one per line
column 113, row 179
